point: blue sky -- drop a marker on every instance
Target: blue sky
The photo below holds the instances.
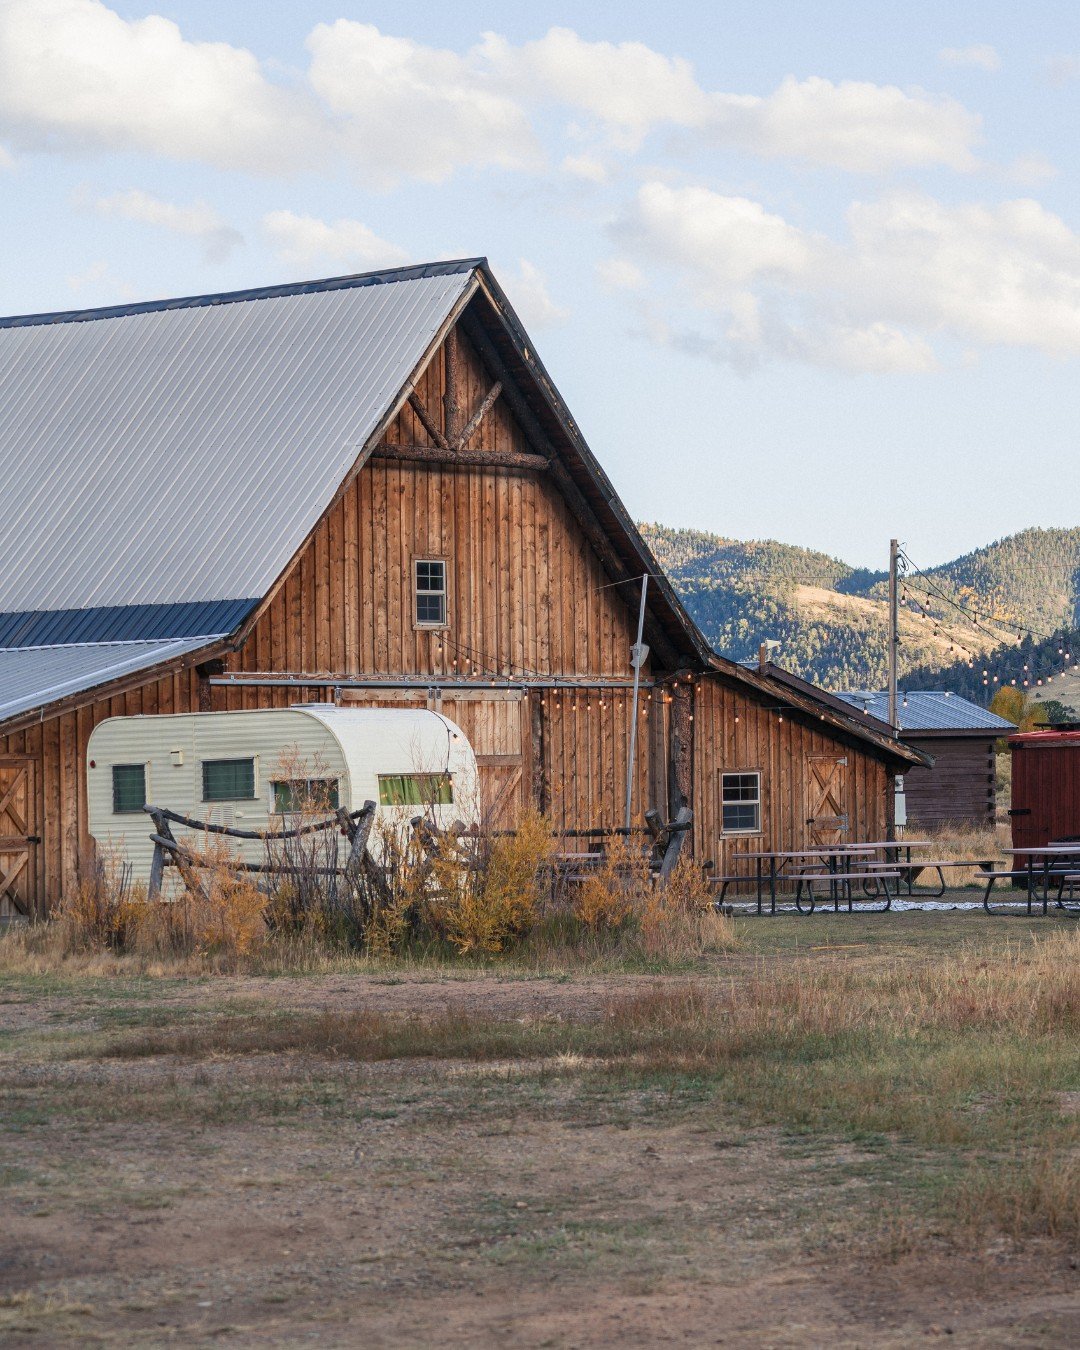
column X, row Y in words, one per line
column 806, row 272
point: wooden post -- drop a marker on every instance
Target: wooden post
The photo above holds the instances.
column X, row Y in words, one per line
column 451, row 403
column 681, row 763
column 541, row 783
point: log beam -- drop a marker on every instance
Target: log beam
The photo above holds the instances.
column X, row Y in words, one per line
column 426, row 420
column 485, row 459
column 478, row 416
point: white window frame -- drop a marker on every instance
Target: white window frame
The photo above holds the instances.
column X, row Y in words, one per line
column 428, row 624
column 741, row 773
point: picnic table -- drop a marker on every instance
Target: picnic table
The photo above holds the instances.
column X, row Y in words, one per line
column 836, row 864
column 1044, row 865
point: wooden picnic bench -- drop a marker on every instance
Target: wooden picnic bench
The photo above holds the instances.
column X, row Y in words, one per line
column 840, row 883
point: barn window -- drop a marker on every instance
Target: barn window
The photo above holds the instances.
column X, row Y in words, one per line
column 128, row 788
column 740, row 801
column 305, row 794
column 415, row 789
column 228, row 780
column 429, row 589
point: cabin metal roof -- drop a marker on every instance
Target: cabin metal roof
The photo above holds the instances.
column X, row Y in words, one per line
column 34, row 677
column 928, row 710
column 181, row 451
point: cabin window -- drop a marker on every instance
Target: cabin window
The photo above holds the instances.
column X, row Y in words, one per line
column 415, row 789
column 128, row 788
column 740, row 802
column 228, row 780
column 429, row 590
column 305, row 794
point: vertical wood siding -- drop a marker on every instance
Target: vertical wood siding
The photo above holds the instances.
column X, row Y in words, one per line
column 527, row 596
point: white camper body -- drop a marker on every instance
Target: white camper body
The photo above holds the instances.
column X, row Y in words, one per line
column 244, row 769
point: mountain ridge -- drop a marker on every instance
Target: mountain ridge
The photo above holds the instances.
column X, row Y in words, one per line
column 831, row 618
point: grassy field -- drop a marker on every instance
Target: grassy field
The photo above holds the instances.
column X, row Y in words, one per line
column 861, row 1130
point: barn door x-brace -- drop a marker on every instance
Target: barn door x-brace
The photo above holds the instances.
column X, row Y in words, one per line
column 17, row 839
column 825, row 794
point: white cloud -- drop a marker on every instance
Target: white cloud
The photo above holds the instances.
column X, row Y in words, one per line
column 529, row 295
column 306, row 241
column 7, row 160
column 860, row 127
column 725, row 242
column 99, row 277
column 910, row 272
column 627, row 86
column 588, row 167
column 76, row 77
column 198, row 221
column 980, row 56
column 410, row 110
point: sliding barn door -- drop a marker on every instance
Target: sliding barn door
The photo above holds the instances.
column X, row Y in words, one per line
column 18, row 835
column 494, row 723
column 826, row 799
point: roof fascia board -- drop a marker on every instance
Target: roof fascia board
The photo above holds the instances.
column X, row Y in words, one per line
column 352, row 281
column 241, row 635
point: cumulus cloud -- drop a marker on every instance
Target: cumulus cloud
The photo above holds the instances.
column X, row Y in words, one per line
column 531, row 299
column 307, row 241
column 616, row 274
column 76, row 77
column 853, row 125
column 909, row 272
column 199, row 221
column 627, row 86
column 409, row 109
column 980, row 56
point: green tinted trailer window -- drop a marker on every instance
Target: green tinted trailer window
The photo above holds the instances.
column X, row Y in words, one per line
column 306, row 794
column 128, row 788
column 228, row 780
column 415, row 789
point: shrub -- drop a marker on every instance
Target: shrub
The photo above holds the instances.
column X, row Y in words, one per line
column 105, row 911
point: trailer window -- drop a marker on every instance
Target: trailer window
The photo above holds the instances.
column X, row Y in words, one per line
column 415, row 789
column 305, row 794
column 228, row 780
column 128, row 788
column 740, row 795
column 429, row 590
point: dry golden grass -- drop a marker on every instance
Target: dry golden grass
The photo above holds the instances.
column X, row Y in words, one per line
column 958, row 842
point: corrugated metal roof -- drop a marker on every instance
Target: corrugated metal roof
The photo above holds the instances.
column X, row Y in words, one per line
column 122, row 623
column 182, row 451
column 31, row 677
column 928, row 710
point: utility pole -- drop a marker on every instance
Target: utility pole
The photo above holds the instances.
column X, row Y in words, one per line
column 894, row 634
column 639, row 654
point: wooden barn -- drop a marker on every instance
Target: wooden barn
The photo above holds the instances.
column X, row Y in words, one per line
column 367, row 491
column 960, row 786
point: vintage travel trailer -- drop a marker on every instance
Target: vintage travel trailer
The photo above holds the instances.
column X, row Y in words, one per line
column 252, row 770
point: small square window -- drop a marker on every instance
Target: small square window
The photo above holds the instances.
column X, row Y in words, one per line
column 228, row 780
column 740, row 802
column 128, row 788
column 429, row 589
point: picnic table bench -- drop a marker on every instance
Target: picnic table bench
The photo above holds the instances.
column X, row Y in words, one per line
column 839, row 884
column 1058, row 863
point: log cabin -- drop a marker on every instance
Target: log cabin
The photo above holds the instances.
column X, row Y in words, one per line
column 959, row 786
column 365, row 490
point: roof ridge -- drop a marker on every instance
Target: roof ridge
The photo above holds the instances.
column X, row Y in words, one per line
column 380, row 277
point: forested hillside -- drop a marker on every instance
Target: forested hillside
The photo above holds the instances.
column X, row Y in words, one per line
column 831, row 618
